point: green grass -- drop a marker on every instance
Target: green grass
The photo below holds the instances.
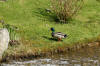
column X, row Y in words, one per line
column 34, row 25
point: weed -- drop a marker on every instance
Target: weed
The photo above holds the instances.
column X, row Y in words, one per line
column 66, row 9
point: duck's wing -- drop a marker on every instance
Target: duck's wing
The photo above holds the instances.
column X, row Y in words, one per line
column 62, row 35
column 58, row 35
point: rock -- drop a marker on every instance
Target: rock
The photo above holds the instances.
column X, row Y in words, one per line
column 48, row 10
column 4, row 40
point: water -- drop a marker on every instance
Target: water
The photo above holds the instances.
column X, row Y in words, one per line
column 81, row 57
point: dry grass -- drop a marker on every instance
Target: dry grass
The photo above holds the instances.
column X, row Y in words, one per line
column 66, row 9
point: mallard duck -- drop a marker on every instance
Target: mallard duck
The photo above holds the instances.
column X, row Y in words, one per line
column 58, row 35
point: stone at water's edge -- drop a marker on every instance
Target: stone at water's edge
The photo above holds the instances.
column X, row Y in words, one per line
column 4, row 40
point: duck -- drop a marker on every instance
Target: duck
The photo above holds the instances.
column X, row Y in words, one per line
column 58, row 35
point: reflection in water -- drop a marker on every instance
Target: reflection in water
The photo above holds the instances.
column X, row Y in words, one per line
column 81, row 57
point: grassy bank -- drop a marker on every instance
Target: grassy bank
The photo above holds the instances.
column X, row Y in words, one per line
column 34, row 25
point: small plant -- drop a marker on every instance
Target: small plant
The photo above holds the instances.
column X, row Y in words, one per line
column 12, row 32
column 65, row 9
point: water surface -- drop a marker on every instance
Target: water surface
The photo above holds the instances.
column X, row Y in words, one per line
column 81, row 57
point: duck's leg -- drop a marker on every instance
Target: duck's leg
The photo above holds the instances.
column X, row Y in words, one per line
column 59, row 39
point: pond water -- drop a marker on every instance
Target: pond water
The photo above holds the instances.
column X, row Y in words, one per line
column 81, row 57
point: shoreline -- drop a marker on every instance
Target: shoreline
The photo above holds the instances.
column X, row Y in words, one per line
column 62, row 49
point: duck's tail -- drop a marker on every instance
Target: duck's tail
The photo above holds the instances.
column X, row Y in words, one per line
column 65, row 35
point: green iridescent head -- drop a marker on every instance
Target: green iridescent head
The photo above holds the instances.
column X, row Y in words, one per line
column 52, row 29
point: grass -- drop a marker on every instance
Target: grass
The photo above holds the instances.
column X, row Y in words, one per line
column 34, row 25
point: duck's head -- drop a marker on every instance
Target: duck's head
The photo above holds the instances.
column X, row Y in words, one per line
column 52, row 29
